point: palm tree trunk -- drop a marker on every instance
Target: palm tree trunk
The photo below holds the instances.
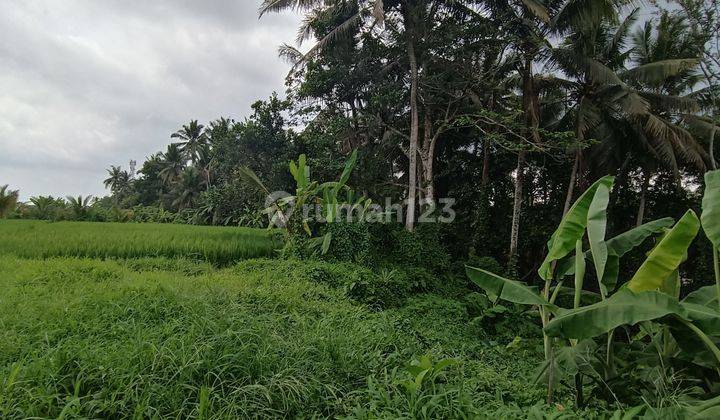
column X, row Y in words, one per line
column 517, row 207
column 414, row 126
column 643, row 197
column 713, row 162
column 532, row 123
column 428, row 157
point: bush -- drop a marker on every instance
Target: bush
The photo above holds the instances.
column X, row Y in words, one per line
column 393, row 245
column 186, row 217
column 152, row 214
column 232, row 203
column 501, row 321
column 350, row 242
column 382, row 290
column 485, row 263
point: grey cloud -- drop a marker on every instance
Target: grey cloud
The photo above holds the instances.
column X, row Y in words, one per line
column 86, row 84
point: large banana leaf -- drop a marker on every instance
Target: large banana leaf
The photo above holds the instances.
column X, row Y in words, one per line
column 671, row 285
column 300, row 172
column 704, row 296
column 667, row 256
column 510, row 290
column 345, row 176
column 711, row 207
column 622, row 308
column 596, row 227
column 695, row 344
column 702, row 307
column 565, row 267
column 625, row 242
column 704, row 317
column 571, row 228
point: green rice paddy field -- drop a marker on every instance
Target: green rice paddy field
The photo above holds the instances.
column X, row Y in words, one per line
column 217, row 245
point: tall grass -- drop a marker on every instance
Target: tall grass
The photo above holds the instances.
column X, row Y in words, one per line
column 83, row 338
column 218, row 245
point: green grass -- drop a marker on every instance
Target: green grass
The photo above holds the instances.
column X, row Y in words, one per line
column 177, row 339
column 217, row 245
column 102, row 320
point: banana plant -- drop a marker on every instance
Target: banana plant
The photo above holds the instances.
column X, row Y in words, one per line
column 566, row 239
column 325, row 197
column 652, row 293
column 711, row 219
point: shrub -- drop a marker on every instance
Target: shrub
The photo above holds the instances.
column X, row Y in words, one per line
column 350, row 242
column 385, row 289
column 486, row 263
column 152, row 214
column 393, row 245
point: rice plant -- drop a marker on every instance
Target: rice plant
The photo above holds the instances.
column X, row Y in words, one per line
column 217, row 245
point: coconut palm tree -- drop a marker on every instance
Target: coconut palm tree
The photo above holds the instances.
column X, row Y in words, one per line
column 173, row 162
column 667, row 49
column 8, row 200
column 205, row 163
column 79, row 206
column 187, row 188
column 45, row 207
column 624, row 108
column 118, row 180
column 191, row 139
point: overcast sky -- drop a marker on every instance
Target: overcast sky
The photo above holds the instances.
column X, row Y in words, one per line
column 89, row 83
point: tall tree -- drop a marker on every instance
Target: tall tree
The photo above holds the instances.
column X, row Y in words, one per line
column 173, row 162
column 192, row 139
column 8, row 200
column 188, row 187
column 118, row 180
column 369, row 16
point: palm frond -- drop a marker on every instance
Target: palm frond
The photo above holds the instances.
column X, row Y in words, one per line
column 658, row 71
column 583, row 14
column 339, row 31
column 588, row 116
column 290, row 54
column 701, row 124
column 621, row 33
column 599, row 72
column 275, row 6
column 670, row 102
column 249, row 176
column 672, row 140
column 537, row 9
column 659, row 137
column 305, row 31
